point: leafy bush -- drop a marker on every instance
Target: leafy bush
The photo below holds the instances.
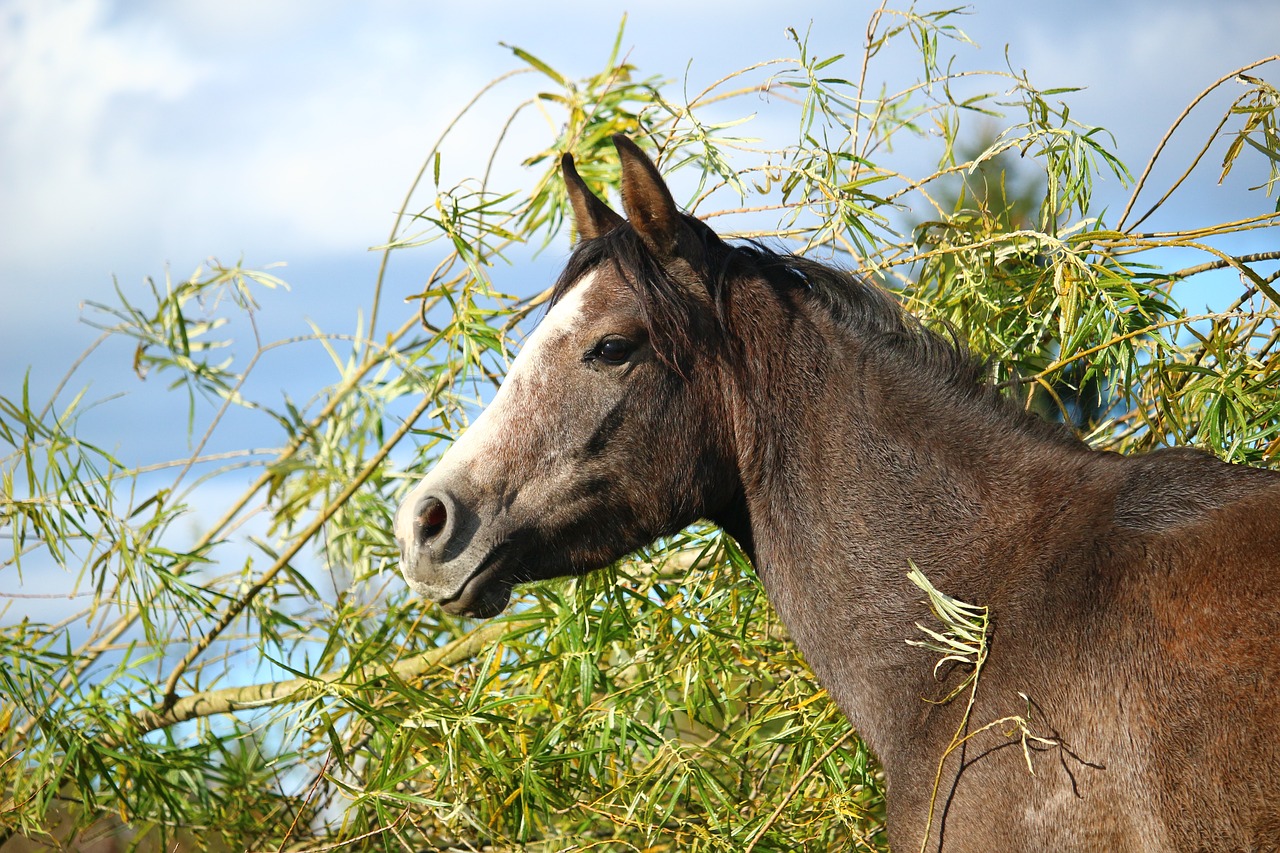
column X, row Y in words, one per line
column 278, row 688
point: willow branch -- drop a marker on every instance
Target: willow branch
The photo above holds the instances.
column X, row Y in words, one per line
column 873, row 23
column 1146, row 173
column 1223, row 264
column 228, row 700
column 1136, row 333
column 413, row 187
column 92, row 649
column 795, row 789
column 1195, row 162
column 238, row 606
column 66, row 377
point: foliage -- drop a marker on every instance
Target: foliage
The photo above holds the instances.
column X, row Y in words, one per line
column 268, row 683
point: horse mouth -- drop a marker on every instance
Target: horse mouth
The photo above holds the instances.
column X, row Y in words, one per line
column 484, row 594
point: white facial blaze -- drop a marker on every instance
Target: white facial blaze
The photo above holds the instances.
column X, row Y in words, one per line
column 494, row 425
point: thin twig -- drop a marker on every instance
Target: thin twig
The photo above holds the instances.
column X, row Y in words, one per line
column 413, row 187
column 299, row 541
column 89, row 652
column 795, row 789
column 1254, row 258
column 1146, row 172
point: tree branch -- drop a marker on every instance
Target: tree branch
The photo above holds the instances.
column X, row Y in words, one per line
column 231, row 699
column 1146, row 173
column 238, row 606
column 1257, row 257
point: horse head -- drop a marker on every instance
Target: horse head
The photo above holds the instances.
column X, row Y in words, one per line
column 607, row 431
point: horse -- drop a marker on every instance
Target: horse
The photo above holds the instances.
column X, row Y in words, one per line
column 1133, row 601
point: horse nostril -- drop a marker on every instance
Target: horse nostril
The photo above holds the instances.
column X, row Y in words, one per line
column 431, row 519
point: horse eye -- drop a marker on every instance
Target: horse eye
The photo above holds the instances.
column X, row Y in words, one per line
column 613, row 350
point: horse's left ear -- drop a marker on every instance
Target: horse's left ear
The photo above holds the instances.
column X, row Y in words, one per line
column 646, row 200
column 591, row 216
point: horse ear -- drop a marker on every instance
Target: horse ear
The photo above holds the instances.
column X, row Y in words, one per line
column 591, row 216
column 646, row 200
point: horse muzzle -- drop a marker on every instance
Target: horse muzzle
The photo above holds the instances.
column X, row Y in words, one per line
column 444, row 560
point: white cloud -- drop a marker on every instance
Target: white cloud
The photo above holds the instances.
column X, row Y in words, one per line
column 201, row 131
column 63, row 62
column 65, row 70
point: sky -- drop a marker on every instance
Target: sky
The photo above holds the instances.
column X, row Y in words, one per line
column 143, row 137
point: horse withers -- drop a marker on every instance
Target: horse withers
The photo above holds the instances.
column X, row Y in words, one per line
column 1134, row 602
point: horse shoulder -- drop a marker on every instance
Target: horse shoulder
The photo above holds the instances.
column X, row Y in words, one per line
column 1205, row 638
column 1161, row 656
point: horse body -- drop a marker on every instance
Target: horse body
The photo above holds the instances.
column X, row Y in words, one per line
column 1135, row 602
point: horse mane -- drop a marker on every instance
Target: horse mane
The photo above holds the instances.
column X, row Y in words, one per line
column 895, row 338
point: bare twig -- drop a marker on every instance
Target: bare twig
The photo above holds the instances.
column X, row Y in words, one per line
column 231, row 699
column 1164, row 140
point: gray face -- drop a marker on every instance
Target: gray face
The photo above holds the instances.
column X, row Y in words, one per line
column 563, row 472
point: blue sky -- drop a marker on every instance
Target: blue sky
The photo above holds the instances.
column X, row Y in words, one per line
column 144, row 136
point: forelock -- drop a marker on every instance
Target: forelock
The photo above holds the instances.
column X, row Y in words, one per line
column 676, row 301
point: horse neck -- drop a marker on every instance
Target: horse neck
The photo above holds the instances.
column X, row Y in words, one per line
column 851, row 471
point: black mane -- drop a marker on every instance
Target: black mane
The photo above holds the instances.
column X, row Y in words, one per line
column 677, row 323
